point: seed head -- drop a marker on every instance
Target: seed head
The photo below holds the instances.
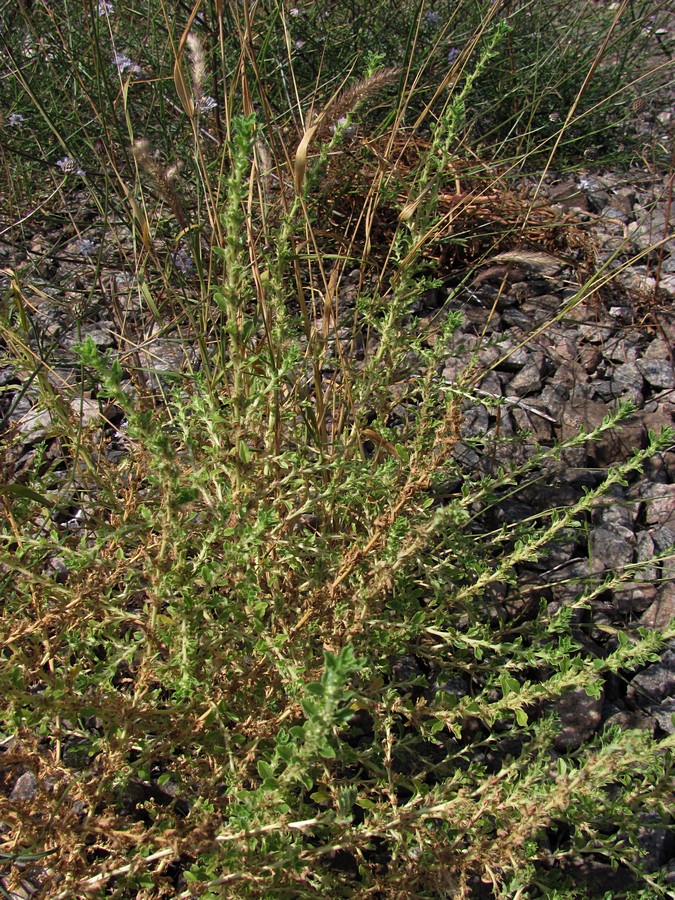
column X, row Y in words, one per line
column 638, row 105
column 198, row 65
column 350, row 98
column 163, row 179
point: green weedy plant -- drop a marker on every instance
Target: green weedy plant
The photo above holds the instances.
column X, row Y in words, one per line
column 220, row 649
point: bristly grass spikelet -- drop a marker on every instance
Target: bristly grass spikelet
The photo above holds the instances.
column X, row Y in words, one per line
column 163, row 179
column 352, row 97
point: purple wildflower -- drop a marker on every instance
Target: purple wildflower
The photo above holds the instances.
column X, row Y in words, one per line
column 183, row 262
column 86, row 248
column 205, row 104
column 69, row 167
column 123, row 63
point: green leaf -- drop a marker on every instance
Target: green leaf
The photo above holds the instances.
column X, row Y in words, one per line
column 509, row 685
column 20, row 490
column 402, row 452
column 310, row 708
column 265, row 770
column 521, row 717
column 243, row 451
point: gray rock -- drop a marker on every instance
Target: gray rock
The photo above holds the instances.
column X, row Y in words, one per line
column 563, row 346
column 613, row 214
column 615, row 509
column 635, row 280
column 527, row 420
column 664, row 714
column 25, row 787
column 570, row 195
column 580, row 716
column 630, row 721
column 581, row 412
column 553, row 399
column 633, row 599
column 657, row 372
column 57, row 569
column 36, row 424
column 475, row 421
column 657, row 349
column 611, row 547
column 102, row 334
column 85, row 410
column 655, row 683
column 488, row 356
column 667, row 284
column 453, row 368
column 515, row 316
column 644, row 552
column 589, row 358
column 659, row 504
column 668, row 264
column 655, row 841
column 620, row 350
column 567, row 581
column 491, row 385
column 466, row 456
column 627, row 383
column 664, row 538
column 620, row 444
column 597, row 333
column 512, row 357
column 529, row 379
column 624, row 200
column 625, row 315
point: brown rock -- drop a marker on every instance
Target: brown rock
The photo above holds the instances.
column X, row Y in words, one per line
column 662, row 609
